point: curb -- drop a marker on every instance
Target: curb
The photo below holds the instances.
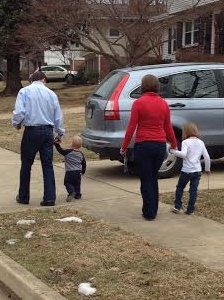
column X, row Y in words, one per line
column 22, row 283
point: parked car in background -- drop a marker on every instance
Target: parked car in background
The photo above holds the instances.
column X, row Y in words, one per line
column 56, row 73
column 193, row 91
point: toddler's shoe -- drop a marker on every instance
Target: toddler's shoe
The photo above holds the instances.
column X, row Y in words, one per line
column 176, row 210
column 189, row 213
column 70, row 197
column 78, row 196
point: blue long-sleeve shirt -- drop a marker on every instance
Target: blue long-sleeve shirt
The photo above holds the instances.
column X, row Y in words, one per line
column 37, row 105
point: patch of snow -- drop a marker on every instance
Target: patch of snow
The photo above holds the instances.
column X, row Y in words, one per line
column 70, row 219
column 28, row 234
column 25, row 222
column 12, row 241
column 45, row 235
column 86, row 289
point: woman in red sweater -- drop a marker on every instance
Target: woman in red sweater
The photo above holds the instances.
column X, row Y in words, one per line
column 150, row 118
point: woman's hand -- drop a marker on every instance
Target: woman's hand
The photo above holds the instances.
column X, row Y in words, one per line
column 122, row 152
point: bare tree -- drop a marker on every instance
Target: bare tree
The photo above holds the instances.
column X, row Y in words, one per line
column 136, row 25
column 87, row 23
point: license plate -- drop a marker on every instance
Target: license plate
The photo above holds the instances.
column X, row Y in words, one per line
column 89, row 113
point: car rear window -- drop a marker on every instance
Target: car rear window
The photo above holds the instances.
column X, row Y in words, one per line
column 108, row 85
column 163, row 89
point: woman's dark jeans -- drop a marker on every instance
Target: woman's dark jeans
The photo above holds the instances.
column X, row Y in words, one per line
column 194, row 179
column 148, row 158
column 37, row 139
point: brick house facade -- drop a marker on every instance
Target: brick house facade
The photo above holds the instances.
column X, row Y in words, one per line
column 197, row 36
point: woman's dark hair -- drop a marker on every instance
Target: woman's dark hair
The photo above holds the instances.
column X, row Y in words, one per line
column 36, row 76
column 150, row 83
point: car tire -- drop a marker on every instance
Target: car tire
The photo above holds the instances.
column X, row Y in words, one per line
column 170, row 166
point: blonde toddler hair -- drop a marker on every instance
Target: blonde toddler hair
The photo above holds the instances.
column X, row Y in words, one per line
column 190, row 130
column 76, row 142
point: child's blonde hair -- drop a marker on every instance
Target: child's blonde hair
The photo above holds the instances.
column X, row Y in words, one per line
column 190, row 130
column 76, row 142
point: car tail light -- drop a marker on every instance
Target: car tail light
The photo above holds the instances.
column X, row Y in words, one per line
column 112, row 108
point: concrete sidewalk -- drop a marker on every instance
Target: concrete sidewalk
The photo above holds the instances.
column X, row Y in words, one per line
column 115, row 197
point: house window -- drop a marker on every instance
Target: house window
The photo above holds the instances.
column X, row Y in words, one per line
column 191, row 33
column 114, row 33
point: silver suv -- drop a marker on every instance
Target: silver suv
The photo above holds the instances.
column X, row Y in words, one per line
column 194, row 92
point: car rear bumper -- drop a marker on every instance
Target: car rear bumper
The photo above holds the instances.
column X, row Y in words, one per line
column 105, row 148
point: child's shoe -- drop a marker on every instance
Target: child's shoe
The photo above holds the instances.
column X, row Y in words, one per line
column 189, row 213
column 69, row 197
column 78, row 196
column 176, row 210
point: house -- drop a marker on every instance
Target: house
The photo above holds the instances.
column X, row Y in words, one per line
column 72, row 56
column 195, row 33
column 121, row 31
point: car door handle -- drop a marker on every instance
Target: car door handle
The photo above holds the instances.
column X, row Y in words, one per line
column 177, row 105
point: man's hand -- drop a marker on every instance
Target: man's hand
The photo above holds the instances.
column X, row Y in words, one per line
column 18, row 126
column 57, row 140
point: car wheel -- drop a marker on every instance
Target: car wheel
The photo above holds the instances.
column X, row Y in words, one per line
column 170, row 166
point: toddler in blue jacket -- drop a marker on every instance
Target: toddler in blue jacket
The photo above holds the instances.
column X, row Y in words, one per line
column 75, row 166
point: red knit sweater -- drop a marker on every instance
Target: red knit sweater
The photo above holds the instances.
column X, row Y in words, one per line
column 150, row 117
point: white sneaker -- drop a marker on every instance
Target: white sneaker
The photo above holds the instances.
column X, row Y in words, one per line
column 176, row 210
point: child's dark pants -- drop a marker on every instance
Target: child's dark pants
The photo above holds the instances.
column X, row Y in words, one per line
column 72, row 182
column 184, row 178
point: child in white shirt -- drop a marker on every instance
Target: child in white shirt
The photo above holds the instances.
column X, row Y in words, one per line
column 192, row 149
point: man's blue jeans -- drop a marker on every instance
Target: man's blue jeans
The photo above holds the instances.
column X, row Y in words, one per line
column 194, row 179
column 37, row 139
column 148, row 158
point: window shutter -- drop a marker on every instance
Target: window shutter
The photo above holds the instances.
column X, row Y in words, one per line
column 170, row 41
column 208, row 34
column 179, row 34
column 201, row 29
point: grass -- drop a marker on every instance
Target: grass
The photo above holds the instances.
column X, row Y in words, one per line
column 69, row 96
column 209, row 204
column 120, row 265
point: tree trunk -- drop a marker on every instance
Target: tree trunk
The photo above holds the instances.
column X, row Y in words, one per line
column 13, row 80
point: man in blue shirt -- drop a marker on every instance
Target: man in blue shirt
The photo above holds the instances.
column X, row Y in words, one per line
column 37, row 109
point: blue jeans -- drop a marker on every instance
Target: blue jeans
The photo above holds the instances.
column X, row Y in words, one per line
column 37, row 139
column 148, row 158
column 194, row 179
